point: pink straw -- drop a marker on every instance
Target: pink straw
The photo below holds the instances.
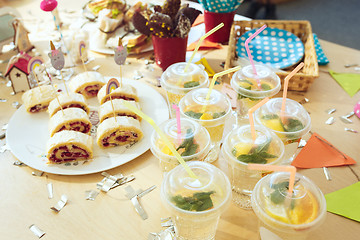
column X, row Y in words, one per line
column 286, row 84
column 248, row 50
column 177, row 109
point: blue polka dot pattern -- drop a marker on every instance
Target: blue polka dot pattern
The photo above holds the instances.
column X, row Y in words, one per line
column 220, row 6
column 275, row 47
column 322, row 59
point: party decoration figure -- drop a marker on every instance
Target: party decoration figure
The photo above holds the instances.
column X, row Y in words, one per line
column 112, row 85
column 17, row 72
column 120, row 54
column 21, row 39
column 56, row 57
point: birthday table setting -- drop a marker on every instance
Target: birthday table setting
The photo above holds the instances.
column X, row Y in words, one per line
column 174, row 120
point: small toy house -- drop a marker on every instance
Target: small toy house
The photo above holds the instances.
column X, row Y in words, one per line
column 17, row 72
column 21, row 39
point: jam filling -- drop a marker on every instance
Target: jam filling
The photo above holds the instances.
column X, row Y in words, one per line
column 92, row 90
column 64, row 154
column 120, row 97
column 77, row 126
column 121, row 115
column 119, row 138
column 38, row 108
column 74, row 105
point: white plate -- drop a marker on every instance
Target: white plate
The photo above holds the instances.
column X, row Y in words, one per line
column 27, row 135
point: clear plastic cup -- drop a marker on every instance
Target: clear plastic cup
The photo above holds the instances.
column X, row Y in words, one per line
column 211, row 114
column 284, row 217
column 194, row 143
column 244, row 82
column 177, row 82
column 297, row 122
column 196, row 204
column 239, row 149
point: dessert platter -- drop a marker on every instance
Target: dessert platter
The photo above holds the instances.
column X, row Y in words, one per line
column 29, row 136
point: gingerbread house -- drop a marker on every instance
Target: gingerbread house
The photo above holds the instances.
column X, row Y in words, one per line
column 17, row 72
column 21, row 39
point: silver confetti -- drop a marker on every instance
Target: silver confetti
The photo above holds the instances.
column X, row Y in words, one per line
column 9, row 84
column 3, row 100
column 327, row 173
column 37, row 231
column 60, row 204
column 138, row 75
column 16, row 105
column 50, row 190
column 357, row 68
column 147, row 62
column 96, row 68
column 350, row 114
column 5, row 126
column 330, row 111
column 305, row 100
column 345, row 120
column 167, row 234
column 4, row 148
column 351, row 65
column 89, row 60
column 91, row 195
column 12, row 93
column 37, row 173
column 134, row 197
column 18, row 163
column 302, row 143
column 351, row 130
column 150, row 68
column 330, row 121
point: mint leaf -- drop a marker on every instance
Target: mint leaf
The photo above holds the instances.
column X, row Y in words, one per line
column 293, row 125
column 265, row 87
column 251, row 158
column 217, row 115
column 191, row 84
column 270, row 116
column 200, row 201
column 190, row 147
column 278, row 196
column 193, row 114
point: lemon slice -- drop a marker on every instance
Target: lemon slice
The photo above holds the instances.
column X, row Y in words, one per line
column 274, row 124
column 242, row 148
column 276, row 211
column 206, row 116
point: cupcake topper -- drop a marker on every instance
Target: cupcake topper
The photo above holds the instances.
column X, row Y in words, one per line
column 120, row 56
column 57, row 61
column 82, row 49
column 120, row 53
column 32, row 65
column 111, row 85
column 48, row 5
column 56, row 57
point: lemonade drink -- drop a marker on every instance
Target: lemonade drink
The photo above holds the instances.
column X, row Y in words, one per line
column 239, row 149
column 287, row 218
column 193, row 143
column 211, row 114
column 296, row 122
column 244, row 82
column 177, row 82
column 196, row 204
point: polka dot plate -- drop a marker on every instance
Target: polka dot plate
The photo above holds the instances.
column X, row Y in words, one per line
column 275, row 47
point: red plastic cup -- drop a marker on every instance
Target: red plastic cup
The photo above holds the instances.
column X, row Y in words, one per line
column 213, row 19
column 169, row 50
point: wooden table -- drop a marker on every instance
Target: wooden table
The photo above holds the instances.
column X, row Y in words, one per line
column 24, row 199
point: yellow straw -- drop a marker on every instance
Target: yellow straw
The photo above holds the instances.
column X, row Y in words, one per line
column 162, row 136
column 286, row 83
column 234, row 69
column 251, row 118
column 199, row 43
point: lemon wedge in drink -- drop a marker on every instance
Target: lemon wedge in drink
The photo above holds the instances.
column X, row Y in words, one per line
column 242, row 148
column 274, row 124
column 206, row 116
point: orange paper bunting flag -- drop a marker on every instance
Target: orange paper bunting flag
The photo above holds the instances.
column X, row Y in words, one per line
column 319, row 153
column 205, row 45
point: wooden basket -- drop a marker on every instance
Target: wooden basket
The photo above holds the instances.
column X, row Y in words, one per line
column 302, row 29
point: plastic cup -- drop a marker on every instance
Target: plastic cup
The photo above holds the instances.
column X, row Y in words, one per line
column 282, row 217
column 239, row 149
column 244, row 82
column 212, row 115
column 177, row 82
column 168, row 51
column 212, row 19
column 193, row 144
column 196, row 204
column 297, row 122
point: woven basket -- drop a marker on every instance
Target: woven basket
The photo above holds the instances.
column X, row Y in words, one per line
column 302, row 80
